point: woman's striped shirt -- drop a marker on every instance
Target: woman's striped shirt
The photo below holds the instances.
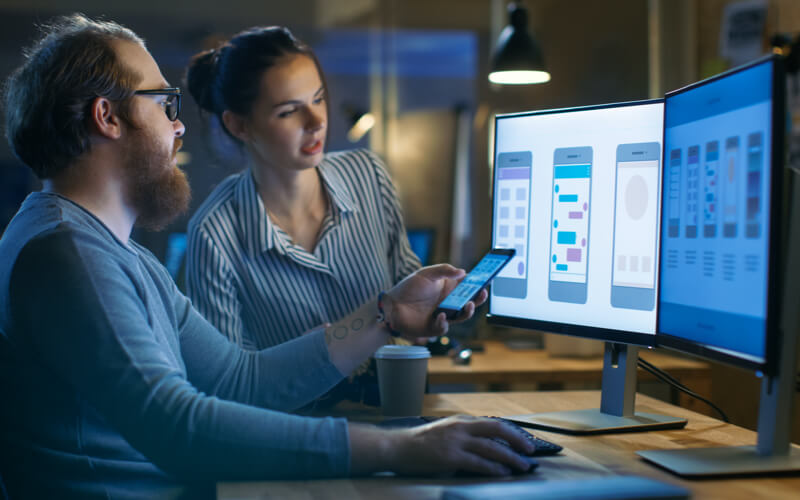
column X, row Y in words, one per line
column 247, row 277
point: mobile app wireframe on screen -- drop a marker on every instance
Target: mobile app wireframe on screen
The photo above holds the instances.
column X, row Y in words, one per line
column 591, row 216
column 721, row 129
column 511, row 221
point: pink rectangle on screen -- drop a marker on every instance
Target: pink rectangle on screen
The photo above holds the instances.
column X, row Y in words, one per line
column 576, row 215
column 573, row 254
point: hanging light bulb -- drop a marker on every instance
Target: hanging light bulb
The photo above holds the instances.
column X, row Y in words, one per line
column 517, row 59
column 362, row 125
column 360, row 121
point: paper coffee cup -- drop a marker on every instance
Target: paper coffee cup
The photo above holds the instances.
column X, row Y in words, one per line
column 401, row 378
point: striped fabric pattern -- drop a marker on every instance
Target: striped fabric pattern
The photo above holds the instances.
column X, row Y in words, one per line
column 244, row 274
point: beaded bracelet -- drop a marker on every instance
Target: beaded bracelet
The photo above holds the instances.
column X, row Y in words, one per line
column 382, row 316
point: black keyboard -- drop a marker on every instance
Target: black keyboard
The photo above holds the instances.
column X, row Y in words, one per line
column 543, row 447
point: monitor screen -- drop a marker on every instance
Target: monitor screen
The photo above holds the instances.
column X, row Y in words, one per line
column 421, row 241
column 576, row 193
column 717, row 209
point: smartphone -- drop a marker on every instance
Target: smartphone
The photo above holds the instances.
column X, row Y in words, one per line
column 569, row 224
column 730, row 185
column 475, row 281
column 512, row 192
column 633, row 258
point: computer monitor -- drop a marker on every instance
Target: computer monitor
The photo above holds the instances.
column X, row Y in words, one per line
column 174, row 258
column 720, row 288
column 422, row 242
column 576, row 193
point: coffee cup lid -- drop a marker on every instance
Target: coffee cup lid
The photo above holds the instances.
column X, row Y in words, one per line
column 402, row 352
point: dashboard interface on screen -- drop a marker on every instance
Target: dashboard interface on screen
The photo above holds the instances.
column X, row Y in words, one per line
column 576, row 193
column 477, row 278
column 714, row 259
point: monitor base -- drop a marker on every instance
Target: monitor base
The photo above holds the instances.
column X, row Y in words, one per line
column 593, row 421
column 723, row 461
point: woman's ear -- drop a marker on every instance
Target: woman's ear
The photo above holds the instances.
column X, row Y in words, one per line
column 103, row 119
column 236, row 125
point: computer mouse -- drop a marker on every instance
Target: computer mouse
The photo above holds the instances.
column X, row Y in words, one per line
column 532, row 463
column 543, row 447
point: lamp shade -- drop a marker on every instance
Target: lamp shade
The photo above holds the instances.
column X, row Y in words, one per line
column 517, row 60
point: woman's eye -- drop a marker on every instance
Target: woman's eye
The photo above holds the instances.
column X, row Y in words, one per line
column 284, row 114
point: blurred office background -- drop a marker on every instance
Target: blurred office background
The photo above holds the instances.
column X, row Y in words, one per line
column 419, row 67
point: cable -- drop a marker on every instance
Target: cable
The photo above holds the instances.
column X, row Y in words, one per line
column 669, row 379
column 664, row 375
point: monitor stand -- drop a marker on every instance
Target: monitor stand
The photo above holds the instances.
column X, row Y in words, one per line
column 616, row 412
column 773, row 452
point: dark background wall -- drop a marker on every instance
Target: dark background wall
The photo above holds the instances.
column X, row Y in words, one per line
column 415, row 61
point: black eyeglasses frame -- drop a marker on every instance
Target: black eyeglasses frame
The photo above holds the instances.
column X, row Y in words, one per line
column 174, row 94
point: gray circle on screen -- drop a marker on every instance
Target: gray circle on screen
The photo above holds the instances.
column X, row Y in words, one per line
column 636, row 197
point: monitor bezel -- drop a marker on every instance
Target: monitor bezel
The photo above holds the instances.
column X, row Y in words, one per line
column 774, row 283
column 584, row 331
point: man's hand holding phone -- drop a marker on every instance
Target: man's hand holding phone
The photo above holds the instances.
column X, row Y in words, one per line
column 463, row 298
column 411, row 304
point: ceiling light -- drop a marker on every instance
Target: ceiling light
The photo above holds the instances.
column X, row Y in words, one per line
column 517, row 60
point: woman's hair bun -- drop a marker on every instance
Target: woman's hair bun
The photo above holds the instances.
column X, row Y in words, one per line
column 200, row 76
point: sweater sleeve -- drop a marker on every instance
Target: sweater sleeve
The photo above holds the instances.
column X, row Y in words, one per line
column 224, row 370
column 97, row 336
column 403, row 260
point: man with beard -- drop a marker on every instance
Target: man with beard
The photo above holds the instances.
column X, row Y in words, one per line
column 111, row 384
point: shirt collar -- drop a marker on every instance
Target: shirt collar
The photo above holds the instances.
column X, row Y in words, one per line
column 337, row 188
column 260, row 234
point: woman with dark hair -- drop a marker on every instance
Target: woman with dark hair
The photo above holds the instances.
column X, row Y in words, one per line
column 300, row 237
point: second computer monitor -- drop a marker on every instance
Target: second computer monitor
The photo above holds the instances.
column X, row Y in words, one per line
column 724, row 137
column 576, row 193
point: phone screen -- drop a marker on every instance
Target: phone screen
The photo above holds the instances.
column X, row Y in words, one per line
column 511, row 221
column 569, row 224
column 753, row 201
column 692, row 204
column 711, row 190
column 673, row 193
column 633, row 263
column 730, row 184
column 478, row 278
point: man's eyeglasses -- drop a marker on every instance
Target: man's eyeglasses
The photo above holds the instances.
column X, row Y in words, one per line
column 172, row 105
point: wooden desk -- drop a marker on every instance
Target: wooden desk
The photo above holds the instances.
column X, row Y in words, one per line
column 586, row 456
column 499, row 368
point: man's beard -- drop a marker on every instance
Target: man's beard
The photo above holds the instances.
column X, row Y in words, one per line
column 157, row 191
